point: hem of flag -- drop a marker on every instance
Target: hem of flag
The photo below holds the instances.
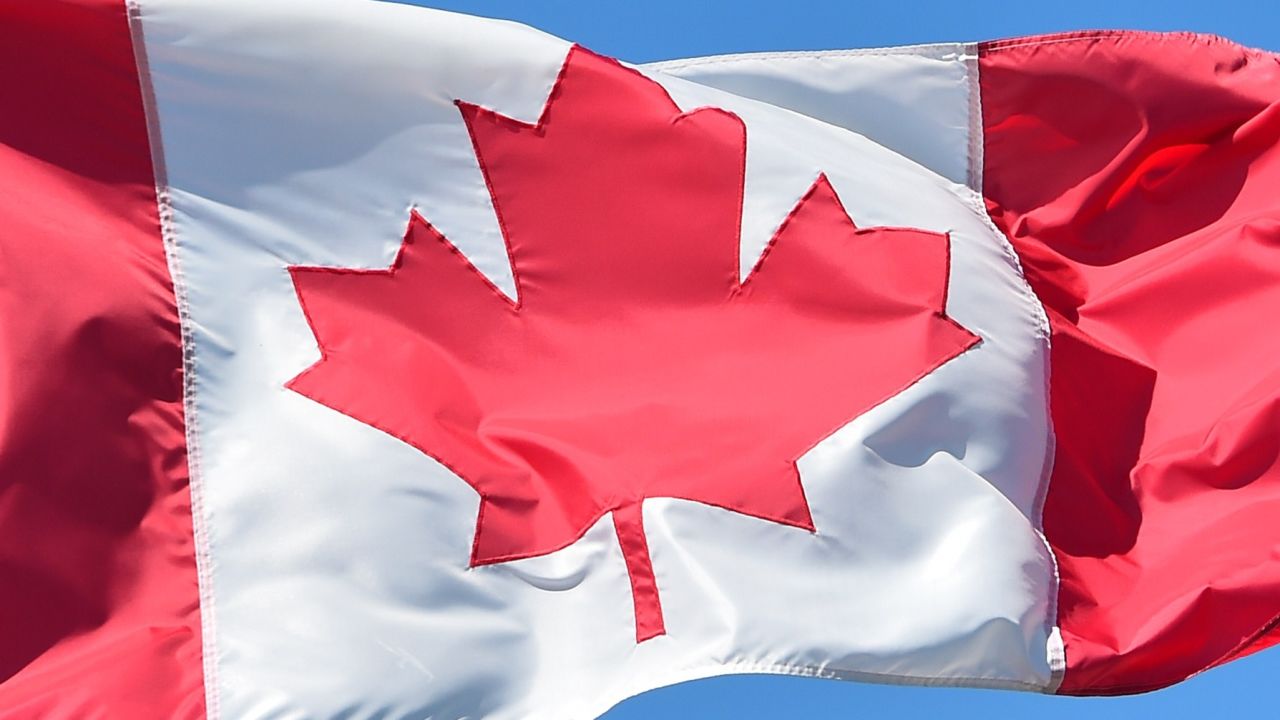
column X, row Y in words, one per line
column 169, row 239
column 708, row 671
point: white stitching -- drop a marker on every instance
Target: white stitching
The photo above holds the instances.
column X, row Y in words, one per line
column 704, row 671
column 1091, row 35
column 1054, row 650
column 164, row 205
column 938, row 51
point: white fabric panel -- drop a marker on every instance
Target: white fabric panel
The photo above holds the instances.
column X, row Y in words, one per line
column 302, row 132
column 914, row 100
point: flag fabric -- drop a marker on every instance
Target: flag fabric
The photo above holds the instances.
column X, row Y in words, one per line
column 363, row 360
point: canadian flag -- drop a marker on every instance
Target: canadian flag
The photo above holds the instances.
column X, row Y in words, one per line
column 361, row 360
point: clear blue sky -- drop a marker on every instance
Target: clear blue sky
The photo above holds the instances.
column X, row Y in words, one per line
column 641, row 31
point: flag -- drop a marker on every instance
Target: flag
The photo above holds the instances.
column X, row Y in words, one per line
column 367, row 360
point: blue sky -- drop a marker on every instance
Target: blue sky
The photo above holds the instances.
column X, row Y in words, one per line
column 663, row 29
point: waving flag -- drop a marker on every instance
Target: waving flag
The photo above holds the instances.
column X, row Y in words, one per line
column 361, row 360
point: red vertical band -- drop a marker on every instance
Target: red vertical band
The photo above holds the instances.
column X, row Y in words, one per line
column 1138, row 177
column 99, row 603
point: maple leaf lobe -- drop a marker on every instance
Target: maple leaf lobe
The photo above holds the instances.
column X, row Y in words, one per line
column 634, row 363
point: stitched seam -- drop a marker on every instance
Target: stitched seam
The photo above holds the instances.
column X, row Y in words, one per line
column 975, row 194
column 488, row 183
column 195, row 485
column 1059, row 38
column 719, row 669
column 993, row 46
column 629, row 531
column 937, row 51
column 975, row 199
column 838, row 674
column 782, row 228
column 973, row 132
column 1266, row 627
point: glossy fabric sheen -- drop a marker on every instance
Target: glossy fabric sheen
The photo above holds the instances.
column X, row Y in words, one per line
column 342, row 579
column 618, row 373
column 98, row 595
column 1149, row 224
column 348, row 568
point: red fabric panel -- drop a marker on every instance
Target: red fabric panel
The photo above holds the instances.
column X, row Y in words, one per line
column 1138, row 177
column 99, row 610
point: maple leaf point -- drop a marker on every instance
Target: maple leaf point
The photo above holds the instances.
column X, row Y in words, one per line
column 633, row 363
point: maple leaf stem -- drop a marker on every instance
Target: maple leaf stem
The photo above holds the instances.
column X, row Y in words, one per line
column 628, row 521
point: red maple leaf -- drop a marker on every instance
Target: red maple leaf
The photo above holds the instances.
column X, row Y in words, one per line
column 634, row 363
